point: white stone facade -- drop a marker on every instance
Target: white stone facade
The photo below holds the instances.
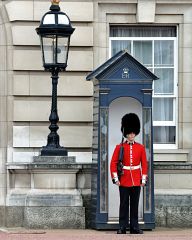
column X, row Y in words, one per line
column 25, row 88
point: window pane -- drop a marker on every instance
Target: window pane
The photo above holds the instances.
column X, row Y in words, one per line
column 158, row 56
column 163, row 109
column 164, row 135
column 165, row 83
column 138, row 31
column 164, row 51
column 118, row 45
column 142, row 51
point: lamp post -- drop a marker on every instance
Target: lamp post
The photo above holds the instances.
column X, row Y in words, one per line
column 54, row 31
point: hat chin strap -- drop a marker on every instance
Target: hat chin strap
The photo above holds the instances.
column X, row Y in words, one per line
column 122, row 139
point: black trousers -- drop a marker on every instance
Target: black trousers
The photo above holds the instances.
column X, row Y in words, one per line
column 129, row 196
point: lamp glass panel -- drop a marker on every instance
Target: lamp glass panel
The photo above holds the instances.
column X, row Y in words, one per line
column 62, row 49
column 63, row 19
column 49, row 19
column 49, row 49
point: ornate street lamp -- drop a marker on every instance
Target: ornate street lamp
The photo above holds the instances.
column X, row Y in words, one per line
column 54, row 31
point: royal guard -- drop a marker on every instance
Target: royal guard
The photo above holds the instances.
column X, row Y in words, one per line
column 129, row 171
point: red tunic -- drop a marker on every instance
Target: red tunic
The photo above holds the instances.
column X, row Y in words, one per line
column 134, row 156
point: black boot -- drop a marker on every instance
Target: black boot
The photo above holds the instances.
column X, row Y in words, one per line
column 121, row 230
column 136, row 231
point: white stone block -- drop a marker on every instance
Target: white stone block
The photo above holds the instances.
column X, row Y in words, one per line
column 180, row 85
column 186, row 35
column 187, row 133
column 32, row 60
column 21, row 136
column 69, row 84
column 170, row 9
column 146, row 11
column 38, row 136
column 20, row 35
column 162, row 181
column 82, row 157
column 100, row 56
column 21, row 110
column 3, row 192
column 100, row 39
column 187, row 84
column 22, row 180
column 3, row 180
column 41, row 84
column 123, row 18
column 77, row 110
column 3, row 83
column 9, row 154
column 2, row 160
column 70, row 136
column 9, row 57
column 21, row 84
column 80, row 61
column 181, row 181
column 187, row 110
column 76, row 136
column 82, row 36
column 175, row 155
column 168, row 18
column 3, row 36
column 3, row 117
column 187, row 16
column 54, row 180
column 4, row 54
column 187, row 61
column 20, row 10
column 25, row 156
column 180, row 134
column 27, row 60
column 20, row 156
column 39, row 110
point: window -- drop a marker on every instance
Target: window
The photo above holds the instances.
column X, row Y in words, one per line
column 155, row 48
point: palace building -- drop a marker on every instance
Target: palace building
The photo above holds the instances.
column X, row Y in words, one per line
column 124, row 56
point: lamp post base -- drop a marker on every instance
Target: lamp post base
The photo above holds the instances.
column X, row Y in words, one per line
column 52, row 151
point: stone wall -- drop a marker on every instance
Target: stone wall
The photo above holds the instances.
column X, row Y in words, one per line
column 173, row 194
column 173, row 209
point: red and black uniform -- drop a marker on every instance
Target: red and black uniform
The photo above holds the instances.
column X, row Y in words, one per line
column 135, row 164
column 134, row 173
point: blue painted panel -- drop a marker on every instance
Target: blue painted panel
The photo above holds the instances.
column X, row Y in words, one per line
column 125, row 69
column 124, row 90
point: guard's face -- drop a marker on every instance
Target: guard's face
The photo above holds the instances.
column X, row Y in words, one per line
column 131, row 137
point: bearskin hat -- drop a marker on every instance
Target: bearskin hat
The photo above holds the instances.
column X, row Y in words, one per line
column 130, row 123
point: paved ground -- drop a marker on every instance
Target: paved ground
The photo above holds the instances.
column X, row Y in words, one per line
column 157, row 234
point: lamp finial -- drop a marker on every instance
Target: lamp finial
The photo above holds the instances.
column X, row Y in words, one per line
column 55, row 2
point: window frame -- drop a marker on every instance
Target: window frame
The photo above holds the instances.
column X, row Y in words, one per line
column 175, row 92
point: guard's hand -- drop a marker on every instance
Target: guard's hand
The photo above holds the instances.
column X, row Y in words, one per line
column 143, row 182
column 117, row 183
